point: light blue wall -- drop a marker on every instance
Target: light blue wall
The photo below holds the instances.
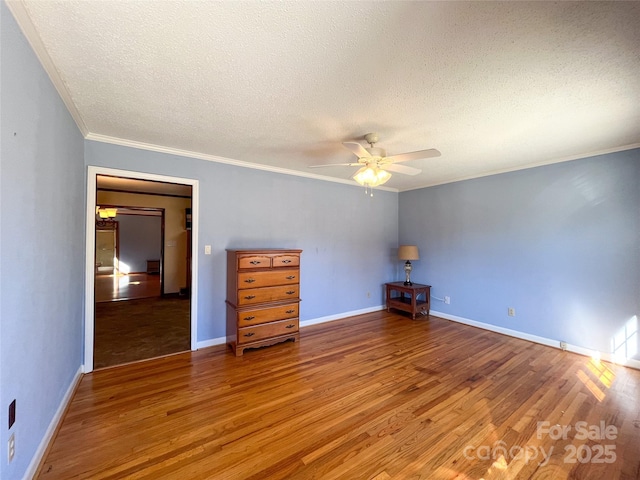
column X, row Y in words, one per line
column 42, row 247
column 140, row 239
column 559, row 243
column 346, row 236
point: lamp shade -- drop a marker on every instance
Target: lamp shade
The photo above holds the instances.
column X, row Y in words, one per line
column 408, row 252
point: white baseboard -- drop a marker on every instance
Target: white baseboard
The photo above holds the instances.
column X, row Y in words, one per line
column 211, row 342
column 305, row 323
column 53, row 425
column 537, row 339
column 330, row 318
column 485, row 326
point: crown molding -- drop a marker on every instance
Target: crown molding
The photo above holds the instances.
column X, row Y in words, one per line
column 214, row 158
column 533, row 165
column 21, row 15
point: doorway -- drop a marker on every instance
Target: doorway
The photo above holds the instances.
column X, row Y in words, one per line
column 129, row 265
column 133, row 313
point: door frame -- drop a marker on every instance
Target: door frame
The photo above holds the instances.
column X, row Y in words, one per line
column 90, row 251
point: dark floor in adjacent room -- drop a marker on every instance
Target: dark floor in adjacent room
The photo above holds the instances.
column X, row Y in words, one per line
column 133, row 330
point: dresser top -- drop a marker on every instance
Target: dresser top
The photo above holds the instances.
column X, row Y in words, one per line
column 254, row 251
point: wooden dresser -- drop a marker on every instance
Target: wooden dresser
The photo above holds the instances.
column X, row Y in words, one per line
column 263, row 297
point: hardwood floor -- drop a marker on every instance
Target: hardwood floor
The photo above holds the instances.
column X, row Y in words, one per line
column 376, row 396
column 126, row 287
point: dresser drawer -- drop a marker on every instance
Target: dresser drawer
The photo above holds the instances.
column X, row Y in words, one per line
column 254, row 261
column 267, row 330
column 267, row 278
column 286, row 261
column 264, row 315
column 251, row 296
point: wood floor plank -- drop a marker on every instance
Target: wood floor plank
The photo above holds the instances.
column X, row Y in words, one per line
column 376, row 396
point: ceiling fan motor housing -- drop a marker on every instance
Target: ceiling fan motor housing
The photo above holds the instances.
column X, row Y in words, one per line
column 371, row 138
column 376, row 152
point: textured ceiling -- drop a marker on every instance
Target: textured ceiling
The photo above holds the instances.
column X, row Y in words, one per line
column 495, row 86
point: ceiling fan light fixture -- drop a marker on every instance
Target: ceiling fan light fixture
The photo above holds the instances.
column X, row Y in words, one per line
column 370, row 176
column 371, row 158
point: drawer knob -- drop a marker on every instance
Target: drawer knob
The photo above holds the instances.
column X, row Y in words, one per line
column 290, row 311
column 286, row 261
column 290, row 292
column 250, row 334
column 291, row 277
column 250, row 317
column 291, row 325
column 249, row 297
column 255, row 262
column 250, row 280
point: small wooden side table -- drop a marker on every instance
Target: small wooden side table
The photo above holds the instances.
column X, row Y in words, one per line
column 408, row 298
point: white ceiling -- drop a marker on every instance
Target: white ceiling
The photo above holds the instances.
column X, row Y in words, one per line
column 495, row 86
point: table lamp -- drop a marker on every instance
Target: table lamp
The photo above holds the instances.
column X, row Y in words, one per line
column 408, row 253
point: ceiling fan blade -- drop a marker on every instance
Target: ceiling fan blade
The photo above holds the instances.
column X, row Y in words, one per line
column 419, row 155
column 357, row 149
column 394, row 167
column 356, row 164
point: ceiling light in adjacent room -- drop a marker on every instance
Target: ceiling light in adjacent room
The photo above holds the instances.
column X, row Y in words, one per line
column 106, row 213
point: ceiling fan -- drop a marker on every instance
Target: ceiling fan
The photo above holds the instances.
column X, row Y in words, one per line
column 374, row 163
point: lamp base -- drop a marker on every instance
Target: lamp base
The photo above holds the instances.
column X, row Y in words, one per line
column 407, row 273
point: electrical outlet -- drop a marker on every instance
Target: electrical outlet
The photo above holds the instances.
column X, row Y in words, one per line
column 447, row 300
column 12, row 413
column 563, row 345
column 11, row 451
column 511, row 311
